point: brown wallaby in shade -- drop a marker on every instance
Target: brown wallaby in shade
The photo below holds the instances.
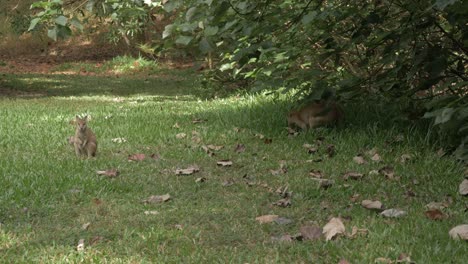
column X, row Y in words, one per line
column 84, row 140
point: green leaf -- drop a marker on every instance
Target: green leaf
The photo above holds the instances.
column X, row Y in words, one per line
column 190, row 13
column 33, row 23
column 52, row 33
column 205, row 45
column 184, row 40
column 76, row 23
column 211, row 31
column 168, row 30
column 61, row 20
column 309, row 17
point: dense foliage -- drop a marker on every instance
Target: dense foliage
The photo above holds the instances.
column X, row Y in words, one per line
column 410, row 51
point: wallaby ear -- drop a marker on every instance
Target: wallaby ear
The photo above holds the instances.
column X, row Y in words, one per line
column 85, row 117
column 77, row 117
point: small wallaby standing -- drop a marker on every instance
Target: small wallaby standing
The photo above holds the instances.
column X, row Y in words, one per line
column 316, row 114
column 84, row 140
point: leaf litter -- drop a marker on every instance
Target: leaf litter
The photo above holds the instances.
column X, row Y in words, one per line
column 157, row 199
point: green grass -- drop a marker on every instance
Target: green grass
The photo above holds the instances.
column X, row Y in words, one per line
column 47, row 194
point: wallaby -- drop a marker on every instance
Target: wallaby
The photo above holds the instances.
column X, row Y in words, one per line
column 316, row 114
column 84, row 140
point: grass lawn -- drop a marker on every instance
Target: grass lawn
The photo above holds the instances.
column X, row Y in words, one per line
column 47, row 194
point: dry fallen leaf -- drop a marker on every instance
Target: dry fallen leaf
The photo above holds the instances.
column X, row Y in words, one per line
column 311, row 232
column 224, row 163
column 188, row 171
column 157, row 198
column 155, row 156
column 459, row 232
column 181, row 135
column 333, row 228
column 435, row 214
column 282, row 238
column 136, row 157
column 81, row 245
column 207, row 151
column 405, row 157
column 260, row 136
column 393, row 213
column 95, row 240
column 198, row 120
column 112, row 173
column 85, row 226
column 372, row 205
column 376, row 157
column 227, row 183
column 151, row 212
column 436, row 206
column 463, row 188
column 285, row 202
column 283, row 221
column 358, row 231
column 283, row 192
column 176, row 125
column 239, row 148
column 359, row 159
column 119, row 140
column 316, row 174
column 292, row 132
column 214, row 147
column 352, row 175
column 266, row 218
column 404, row 258
column 388, row 172
column 200, row 179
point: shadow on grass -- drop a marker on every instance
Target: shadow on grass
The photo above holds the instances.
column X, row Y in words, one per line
column 29, row 86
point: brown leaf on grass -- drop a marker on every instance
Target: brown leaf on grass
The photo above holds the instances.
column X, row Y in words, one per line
column 282, row 169
column 352, row 175
column 355, row 197
column 208, row 151
column 112, row 173
column 155, row 156
column 331, row 150
column 325, row 183
column 198, row 120
column 81, row 245
column 311, row 149
column 358, row 232
column 214, row 147
column 333, row 228
column 188, row 171
column 264, row 219
column 292, row 132
column 376, row 157
column 316, row 174
column 176, row 125
column 283, row 192
column 95, row 240
column 393, row 213
column 371, row 152
column 435, row 214
column 151, row 212
column 239, row 148
column 157, row 199
column 343, row 261
column 181, row 135
column 285, row 202
column 119, row 140
column 227, row 183
column 388, row 172
column 260, row 136
column 463, row 188
column 200, row 179
column 85, row 226
column 283, row 221
column 311, row 232
column 372, row 205
column 436, row 206
column 459, row 232
column 237, row 130
column 405, row 158
column 136, row 157
column 224, row 163
column 359, row 159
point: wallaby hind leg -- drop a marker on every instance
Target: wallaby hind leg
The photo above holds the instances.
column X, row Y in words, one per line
column 91, row 149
